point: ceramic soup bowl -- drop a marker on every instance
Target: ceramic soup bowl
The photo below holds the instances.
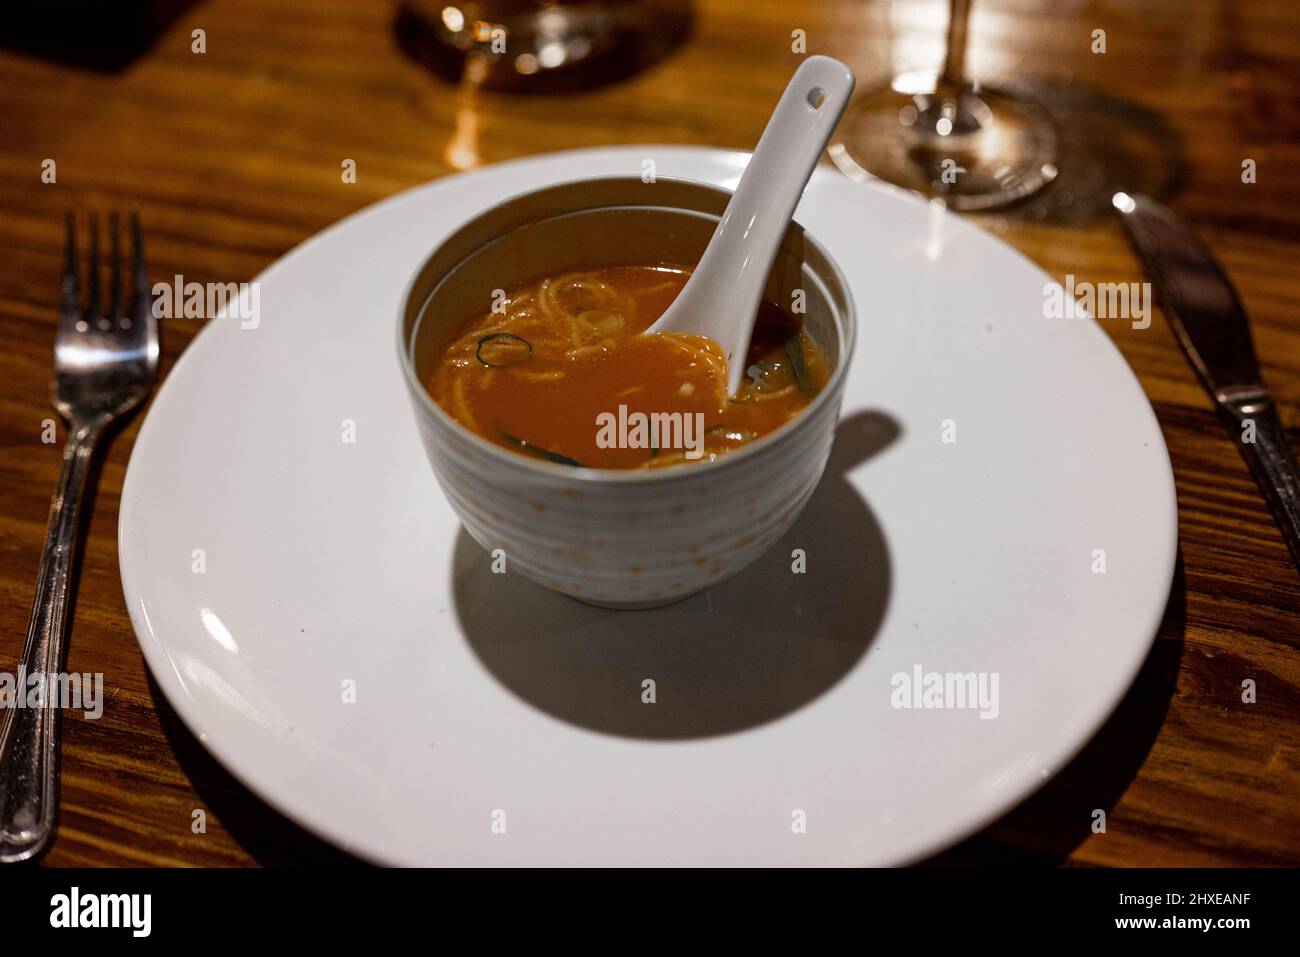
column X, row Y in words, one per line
column 618, row 538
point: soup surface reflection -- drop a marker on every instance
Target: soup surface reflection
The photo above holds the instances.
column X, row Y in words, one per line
column 559, row 370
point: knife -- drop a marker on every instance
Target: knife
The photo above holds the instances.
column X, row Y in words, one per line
column 1207, row 317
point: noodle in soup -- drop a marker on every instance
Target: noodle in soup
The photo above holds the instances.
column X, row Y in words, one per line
column 558, row 369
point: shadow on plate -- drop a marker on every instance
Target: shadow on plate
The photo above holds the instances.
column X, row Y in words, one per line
column 802, row 634
column 745, row 652
column 1047, row 827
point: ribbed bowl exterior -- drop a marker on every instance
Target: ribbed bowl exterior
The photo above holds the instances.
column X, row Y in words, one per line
column 633, row 544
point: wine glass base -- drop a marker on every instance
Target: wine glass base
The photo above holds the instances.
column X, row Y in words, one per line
column 974, row 148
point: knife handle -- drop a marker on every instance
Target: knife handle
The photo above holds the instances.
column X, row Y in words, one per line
column 1271, row 460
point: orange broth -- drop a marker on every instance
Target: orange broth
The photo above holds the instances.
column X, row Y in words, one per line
column 536, row 372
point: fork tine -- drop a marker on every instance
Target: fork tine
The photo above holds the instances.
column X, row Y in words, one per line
column 70, row 302
column 92, row 269
column 143, row 304
column 115, row 312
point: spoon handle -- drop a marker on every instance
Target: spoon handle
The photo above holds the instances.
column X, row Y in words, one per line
column 756, row 219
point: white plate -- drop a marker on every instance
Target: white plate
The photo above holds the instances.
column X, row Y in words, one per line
column 482, row 699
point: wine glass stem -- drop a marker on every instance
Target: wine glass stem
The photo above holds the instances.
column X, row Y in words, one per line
column 953, row 77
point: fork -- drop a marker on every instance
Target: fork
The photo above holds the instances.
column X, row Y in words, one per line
column 104, row 366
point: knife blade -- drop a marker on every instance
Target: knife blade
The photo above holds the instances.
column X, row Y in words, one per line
column 1208, row 320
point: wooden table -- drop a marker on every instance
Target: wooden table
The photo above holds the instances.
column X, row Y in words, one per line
column 233, row 156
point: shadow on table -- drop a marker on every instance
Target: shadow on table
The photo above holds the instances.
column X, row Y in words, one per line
column 89, row 33
column 267, row 836
column 1047, row 827
column 1108, row 144
column 743, row 653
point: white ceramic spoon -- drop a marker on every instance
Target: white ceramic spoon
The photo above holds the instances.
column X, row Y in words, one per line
column 720, row 300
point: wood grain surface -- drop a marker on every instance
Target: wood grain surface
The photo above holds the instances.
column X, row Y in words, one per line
column 233, row 156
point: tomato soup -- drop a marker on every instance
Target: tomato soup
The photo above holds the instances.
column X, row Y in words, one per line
column 558, row 368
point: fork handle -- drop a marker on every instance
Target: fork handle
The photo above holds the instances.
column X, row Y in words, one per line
column 29, row 743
